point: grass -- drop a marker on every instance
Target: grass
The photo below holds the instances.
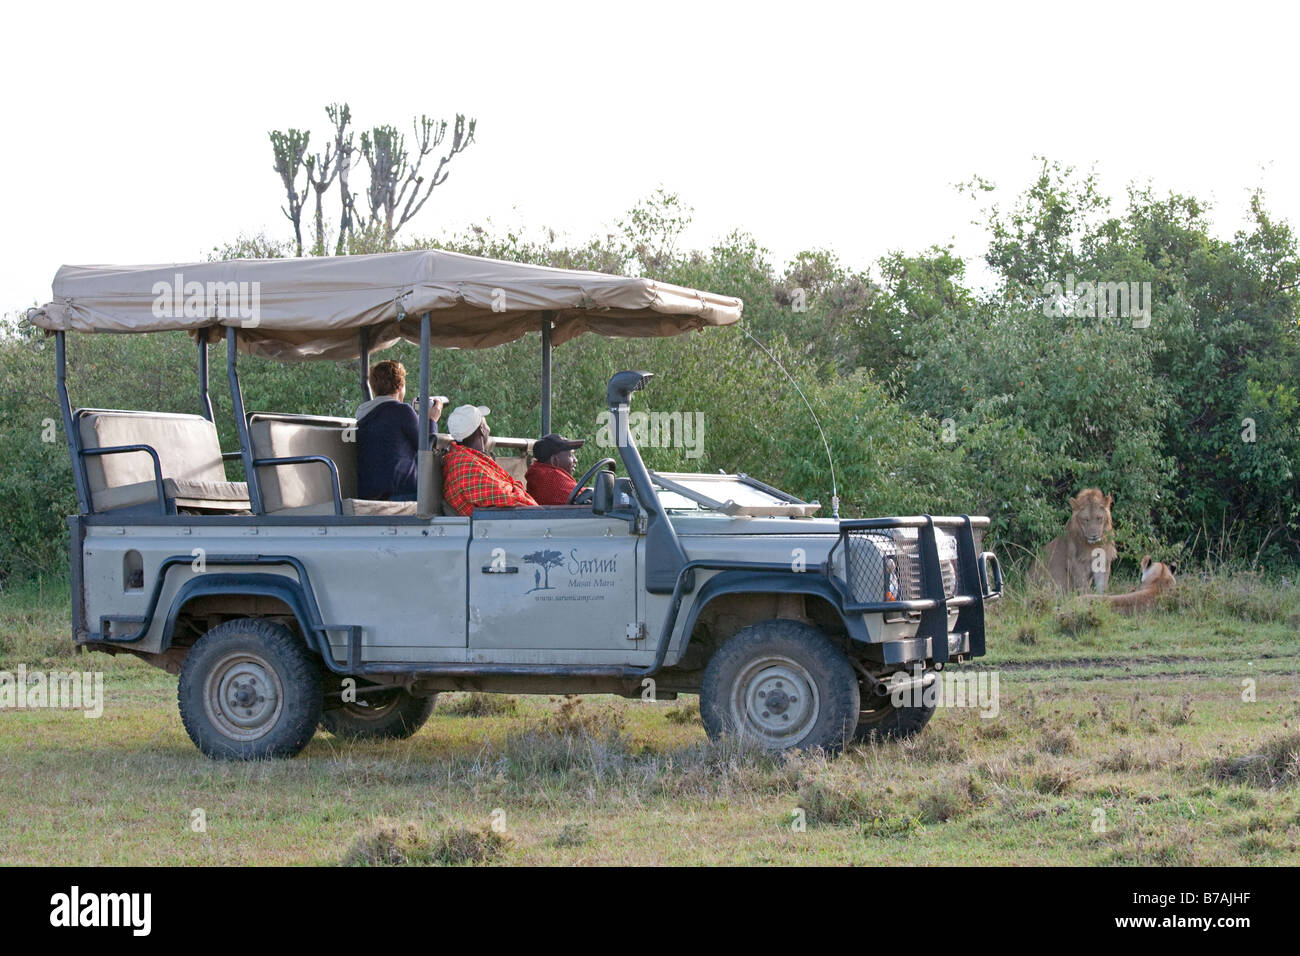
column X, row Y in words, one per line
column 1167, row 738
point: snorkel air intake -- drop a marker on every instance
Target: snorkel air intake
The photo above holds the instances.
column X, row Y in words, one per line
column 664, row 555
column 622, row 385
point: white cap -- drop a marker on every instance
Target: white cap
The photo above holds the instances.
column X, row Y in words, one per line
column 440, row 398
column 465, row 420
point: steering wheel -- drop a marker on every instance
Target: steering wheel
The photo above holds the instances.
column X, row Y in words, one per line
column 577, row 489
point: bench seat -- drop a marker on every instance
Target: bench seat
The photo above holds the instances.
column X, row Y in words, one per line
column 308, row 488
column 189, row 454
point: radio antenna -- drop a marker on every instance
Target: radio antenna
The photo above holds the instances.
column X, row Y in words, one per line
column 835, row 496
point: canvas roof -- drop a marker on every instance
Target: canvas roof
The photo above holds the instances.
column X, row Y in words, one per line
column 313, row 308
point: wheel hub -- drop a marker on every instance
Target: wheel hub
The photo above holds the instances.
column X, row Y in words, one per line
column 244, row 697
column 776, row 701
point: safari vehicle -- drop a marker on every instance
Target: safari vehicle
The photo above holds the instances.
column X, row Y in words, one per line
column 284, row 602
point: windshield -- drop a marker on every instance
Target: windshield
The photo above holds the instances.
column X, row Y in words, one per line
column 727, row 494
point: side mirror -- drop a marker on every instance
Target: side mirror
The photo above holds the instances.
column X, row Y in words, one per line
column 602, row 493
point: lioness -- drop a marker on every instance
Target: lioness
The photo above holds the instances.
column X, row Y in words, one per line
column 1069, row 561
column 1157, row 579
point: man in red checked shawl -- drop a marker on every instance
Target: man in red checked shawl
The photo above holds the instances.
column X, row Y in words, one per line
column 470, row 478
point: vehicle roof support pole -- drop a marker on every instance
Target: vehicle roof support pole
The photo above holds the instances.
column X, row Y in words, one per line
column 205, row 402
column 424, row 472
column 241, row 421
column 547, row 319
column 79, row 479
column 365, row 364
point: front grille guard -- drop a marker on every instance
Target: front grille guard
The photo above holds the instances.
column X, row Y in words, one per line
column 920, row 575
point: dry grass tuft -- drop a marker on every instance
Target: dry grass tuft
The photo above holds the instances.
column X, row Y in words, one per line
column 407, row 843
column 476, row 704
column 686, row 712
column 1276, row 764
column 1058, row 741
column 1079, row 617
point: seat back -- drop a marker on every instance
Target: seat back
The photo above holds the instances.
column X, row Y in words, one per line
column 310, row 483
column 187, row 447
column 512, row 454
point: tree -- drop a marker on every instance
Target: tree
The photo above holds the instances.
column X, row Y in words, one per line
column 288, row 147
column 547, row 560
column 400, row 184
column 397, row 189
column 323, row 170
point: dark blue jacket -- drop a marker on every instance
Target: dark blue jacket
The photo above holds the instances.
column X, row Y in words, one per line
column 388, row 440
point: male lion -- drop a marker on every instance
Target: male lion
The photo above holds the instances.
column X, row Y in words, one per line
column 1069, row 561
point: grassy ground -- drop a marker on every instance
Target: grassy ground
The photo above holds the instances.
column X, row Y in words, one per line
column 1118, row 741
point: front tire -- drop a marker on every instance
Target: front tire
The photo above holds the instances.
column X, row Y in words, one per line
column 390, row 715
column 250, row 690
column 782, row 684
column 887, row 722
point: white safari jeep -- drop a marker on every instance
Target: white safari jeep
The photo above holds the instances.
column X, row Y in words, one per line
column 284, row 602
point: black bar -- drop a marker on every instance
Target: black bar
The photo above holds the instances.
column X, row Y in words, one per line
column 934, row 621
column 80, row 480
column 913, row 521
column 354, row 648
column 365, row 362
column 971, row 617
column 241, row 422
column 426, row 335
column 76, row 570
column 205, row 401
column 547, row 318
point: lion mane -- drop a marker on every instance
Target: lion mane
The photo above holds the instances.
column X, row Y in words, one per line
column 1068, row 561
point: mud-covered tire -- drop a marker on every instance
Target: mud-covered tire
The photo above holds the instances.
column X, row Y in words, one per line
column 391, row 715
column 888, row 722
column 781, row 684
column 250, row 690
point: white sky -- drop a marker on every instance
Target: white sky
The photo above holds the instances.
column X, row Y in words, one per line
column 137, row 133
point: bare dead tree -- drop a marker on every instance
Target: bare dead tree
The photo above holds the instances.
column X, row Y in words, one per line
column 341, row 116
column 288, row 147
column 400, row 182
column 323, row 170
column 397, row 189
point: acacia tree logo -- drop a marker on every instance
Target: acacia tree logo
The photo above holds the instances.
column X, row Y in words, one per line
column 546, row 560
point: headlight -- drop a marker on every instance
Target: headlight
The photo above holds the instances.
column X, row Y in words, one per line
column 893, row 590
column 886, row 565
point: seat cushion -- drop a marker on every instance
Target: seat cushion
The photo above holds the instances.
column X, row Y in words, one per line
column 206, row 495
column 217, row 495
column 354, row 507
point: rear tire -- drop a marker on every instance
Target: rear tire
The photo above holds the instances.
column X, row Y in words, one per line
column 887, row 722
column 391, row 715
column 250, row 690
column 782, row 684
